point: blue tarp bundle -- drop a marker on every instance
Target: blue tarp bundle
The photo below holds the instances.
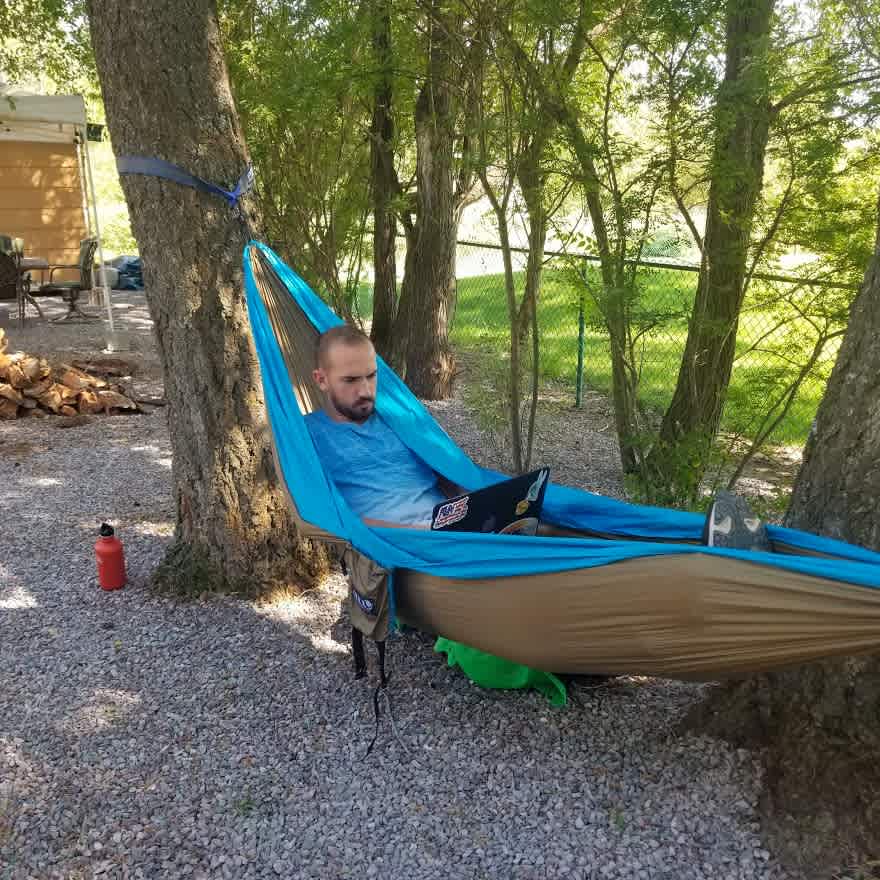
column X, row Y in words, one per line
column 130, row 273
column 471, row 555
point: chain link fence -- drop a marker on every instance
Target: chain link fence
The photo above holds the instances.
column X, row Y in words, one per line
column 788, row 337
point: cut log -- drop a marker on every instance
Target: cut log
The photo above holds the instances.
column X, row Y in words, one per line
column 51, row 399
column 11, row 393
column 115, row 400
column 76, row 379
column 8, row 409
column 15, row 377
column 151, row 401
column 37, row 389
column 105, row 366
column 34, row 368
column 30, row 385
column 88, row 403
column 68, row 395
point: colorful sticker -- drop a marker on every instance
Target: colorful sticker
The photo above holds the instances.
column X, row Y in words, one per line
column 535, row 488
column 451, row 513
column 526, row 526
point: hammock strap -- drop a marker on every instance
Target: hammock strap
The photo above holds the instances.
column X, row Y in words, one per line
column 382, row 688
column 169, row 171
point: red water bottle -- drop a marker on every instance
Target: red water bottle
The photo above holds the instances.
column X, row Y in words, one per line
column 111, row 560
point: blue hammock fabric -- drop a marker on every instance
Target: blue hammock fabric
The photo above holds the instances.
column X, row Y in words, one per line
column 470, row 555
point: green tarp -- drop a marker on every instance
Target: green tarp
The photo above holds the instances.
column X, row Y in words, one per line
column 490, row 671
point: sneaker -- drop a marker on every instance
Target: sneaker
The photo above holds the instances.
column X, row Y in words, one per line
column 732, row 524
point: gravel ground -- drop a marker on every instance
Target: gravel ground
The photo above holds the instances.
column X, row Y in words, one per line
column 141, row 737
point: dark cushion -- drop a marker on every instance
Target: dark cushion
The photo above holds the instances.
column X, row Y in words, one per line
column 59, row 286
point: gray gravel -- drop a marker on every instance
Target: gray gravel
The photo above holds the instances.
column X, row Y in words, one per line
column 148, row 738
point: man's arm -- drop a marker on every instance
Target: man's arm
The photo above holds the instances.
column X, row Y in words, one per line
column 392, row 525
column 448, row 488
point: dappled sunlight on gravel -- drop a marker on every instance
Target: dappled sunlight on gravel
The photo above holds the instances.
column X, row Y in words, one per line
column 312, row 614
column 15, row 597
column 147, row 738
column 154, row 529
column 105, row 708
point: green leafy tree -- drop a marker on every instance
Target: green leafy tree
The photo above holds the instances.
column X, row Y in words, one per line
column 443, row 122
column 794, row 93
column 46, row 43
column 296, row 71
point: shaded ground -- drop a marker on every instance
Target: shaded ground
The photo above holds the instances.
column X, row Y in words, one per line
column 144, row 737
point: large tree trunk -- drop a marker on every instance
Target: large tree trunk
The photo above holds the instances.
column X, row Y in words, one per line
column 742, row 116
column 173, row 102
column 384, row 185
column 821, row 723
column 428, row 289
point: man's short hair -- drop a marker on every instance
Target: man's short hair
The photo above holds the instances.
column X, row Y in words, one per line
column 345, row 334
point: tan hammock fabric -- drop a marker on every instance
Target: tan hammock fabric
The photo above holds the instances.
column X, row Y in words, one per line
column 683, row 616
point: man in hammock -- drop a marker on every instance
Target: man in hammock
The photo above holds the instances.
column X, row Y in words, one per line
column 380, row 477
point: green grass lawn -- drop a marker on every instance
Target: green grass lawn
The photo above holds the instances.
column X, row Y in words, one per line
column 480, row 324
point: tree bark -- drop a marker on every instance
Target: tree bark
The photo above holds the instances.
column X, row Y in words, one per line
column 742, row 115
column 531, row 183
column 428, row 289
column 612, row 300
column 613, row 296
column 173, row 102
column 384, row 185
column 821, row 723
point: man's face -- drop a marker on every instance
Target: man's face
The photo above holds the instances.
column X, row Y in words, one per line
column 348, row 379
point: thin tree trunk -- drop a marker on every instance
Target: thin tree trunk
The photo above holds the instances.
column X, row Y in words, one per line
column 500, row 210
column 384, row 185
column 173, row 102
column 531, row 183
column 742, row 114
column 613, row 299
column 422, row 327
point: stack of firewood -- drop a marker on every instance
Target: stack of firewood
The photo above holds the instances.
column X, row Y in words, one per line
column 31, row 385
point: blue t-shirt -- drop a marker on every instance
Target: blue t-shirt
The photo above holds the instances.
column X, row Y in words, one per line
column 377, row 473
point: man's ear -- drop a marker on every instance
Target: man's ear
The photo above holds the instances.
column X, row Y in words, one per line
column 320, row 378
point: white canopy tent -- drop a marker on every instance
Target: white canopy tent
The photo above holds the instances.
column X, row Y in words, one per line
column 57, row 119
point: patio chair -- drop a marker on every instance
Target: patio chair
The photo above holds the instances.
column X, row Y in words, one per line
column 70, row 291
column 9, row 276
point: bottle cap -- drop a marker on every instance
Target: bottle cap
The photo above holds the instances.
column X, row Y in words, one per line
column 106, row 530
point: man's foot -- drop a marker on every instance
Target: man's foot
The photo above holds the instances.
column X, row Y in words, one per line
column 732, row 524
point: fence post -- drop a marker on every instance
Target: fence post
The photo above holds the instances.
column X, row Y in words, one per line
column 579, row 381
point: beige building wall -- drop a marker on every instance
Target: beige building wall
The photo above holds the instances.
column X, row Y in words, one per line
column 41, row 200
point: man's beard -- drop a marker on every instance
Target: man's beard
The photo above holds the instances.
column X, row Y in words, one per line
column 359, row 412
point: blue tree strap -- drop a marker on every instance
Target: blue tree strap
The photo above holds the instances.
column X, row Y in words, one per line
column 161, row 168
